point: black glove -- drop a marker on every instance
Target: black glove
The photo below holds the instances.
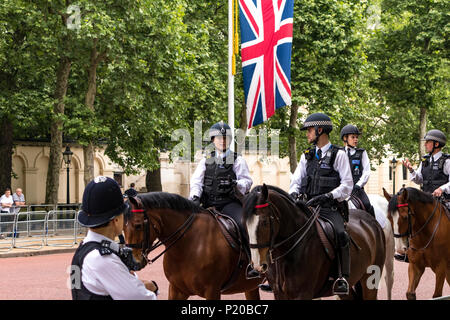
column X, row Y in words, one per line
column 196, row 200
column 356, row 188
column 320, row 199
column 294, row 196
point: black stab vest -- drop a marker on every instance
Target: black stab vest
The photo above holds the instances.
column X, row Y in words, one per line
column 82, row 293
column 320, row 175
column 356, row 164
column 215, row 173
column 433, row 174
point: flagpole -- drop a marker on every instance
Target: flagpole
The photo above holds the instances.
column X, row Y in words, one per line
column 230, row 70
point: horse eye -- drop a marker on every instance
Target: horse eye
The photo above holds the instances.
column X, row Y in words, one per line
column 138, row 226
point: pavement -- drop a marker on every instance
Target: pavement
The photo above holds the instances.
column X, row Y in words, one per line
column 32, row 246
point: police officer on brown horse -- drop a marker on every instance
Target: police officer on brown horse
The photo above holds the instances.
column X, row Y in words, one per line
column 359, row 164
column 434, row 170
column 324, row 178
column 222, row 178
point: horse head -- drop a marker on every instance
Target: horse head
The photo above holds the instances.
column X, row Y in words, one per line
column 400, row 216
column 139, row 231
column 262, row 224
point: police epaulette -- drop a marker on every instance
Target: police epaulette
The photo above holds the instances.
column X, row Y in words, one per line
column 105, row 248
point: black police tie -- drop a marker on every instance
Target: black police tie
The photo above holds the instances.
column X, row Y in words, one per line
column 319, row 154
column 348, row 152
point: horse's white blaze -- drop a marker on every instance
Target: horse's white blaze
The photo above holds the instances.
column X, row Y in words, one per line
column 400, row 243
column 252, row 225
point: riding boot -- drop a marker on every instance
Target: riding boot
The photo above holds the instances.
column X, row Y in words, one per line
column 341, row 286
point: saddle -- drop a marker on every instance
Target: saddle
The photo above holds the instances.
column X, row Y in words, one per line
column 327, row 236
column 230, row 231
column 229, row 228
column 357, row 203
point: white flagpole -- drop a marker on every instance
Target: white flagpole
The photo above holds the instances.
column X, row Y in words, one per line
column 230, row 71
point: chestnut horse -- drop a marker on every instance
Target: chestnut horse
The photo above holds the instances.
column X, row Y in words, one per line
column 424, row 223
column 198, row 259
column 287, row 247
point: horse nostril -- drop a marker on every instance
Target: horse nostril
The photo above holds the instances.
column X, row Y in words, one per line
column 264, row 267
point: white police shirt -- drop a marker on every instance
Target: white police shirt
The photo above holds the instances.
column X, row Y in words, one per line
column 365, row 164
column 240, row 168
column 416, row 176
column 341, row 165
column 108, row 275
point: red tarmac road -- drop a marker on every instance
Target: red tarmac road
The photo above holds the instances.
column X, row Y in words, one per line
column 44, row 277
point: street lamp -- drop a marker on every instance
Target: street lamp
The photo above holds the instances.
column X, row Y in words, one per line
column 67, row 156
column 394, row 165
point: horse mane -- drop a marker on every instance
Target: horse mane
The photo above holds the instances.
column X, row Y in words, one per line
column 252, row 198
column 418, row 195
column 413, row 195
column 165, row 200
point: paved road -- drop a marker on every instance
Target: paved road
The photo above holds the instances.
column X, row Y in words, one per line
column 44, row 277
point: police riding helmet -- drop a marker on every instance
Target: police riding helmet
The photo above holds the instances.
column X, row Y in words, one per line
column 102, row 201
column 318, row 120
column 436, row 135
column 220, row 129
column 349, row 129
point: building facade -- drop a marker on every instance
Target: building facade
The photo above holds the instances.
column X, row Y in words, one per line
column 30, row 163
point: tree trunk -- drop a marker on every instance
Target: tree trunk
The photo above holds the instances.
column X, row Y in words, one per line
column 291, row 138
column 153, row 180
column 6, row 151
column 54, row 164
column 88, row 151
column 422, row 130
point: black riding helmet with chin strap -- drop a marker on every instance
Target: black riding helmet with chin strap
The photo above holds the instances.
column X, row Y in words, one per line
column 349, row 129
column 318, row 120
column 436, row 136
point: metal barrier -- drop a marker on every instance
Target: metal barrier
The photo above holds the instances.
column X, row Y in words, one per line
column 61, row 226
column 31, row 225
column 7, row 225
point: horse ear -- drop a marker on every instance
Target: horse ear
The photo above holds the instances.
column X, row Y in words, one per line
column 404, row 193
column 133, row 200
column 265, row 192
column 387, row 195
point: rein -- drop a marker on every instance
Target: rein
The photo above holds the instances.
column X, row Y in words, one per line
column 145, row 245
column 272, row 246
column 410, row 233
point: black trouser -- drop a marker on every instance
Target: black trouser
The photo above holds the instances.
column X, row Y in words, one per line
column 361, row 195
column 342, row 239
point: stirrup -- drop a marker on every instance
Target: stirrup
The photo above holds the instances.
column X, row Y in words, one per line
column 251, row 273
column 265, row 287
column 340, row 291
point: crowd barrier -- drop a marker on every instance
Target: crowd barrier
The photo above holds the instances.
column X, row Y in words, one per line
column 35, row 229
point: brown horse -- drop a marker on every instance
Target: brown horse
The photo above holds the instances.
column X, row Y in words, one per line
column 424, row 224
column 198, row 260
column 287, row 247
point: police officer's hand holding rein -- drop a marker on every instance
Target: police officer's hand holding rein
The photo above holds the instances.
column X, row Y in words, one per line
column 105, row 270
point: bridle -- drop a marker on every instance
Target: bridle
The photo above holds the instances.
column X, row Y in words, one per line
column 409, row 233
column 274, row 215
column 145, row 246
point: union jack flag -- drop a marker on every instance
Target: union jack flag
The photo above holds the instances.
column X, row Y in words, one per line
column 266, row 46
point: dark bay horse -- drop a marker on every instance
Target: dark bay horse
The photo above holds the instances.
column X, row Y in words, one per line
column 290, row 252
column 199, row 260
column 423, row 224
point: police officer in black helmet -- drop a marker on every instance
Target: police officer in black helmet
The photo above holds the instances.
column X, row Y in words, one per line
column 323, row 176
column 222, row 178
column 100, row 268
column 359, row 164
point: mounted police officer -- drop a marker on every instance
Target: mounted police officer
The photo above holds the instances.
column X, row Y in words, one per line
column 101, row 269
column 434, row 170
column 359, row 165
column 222, row 178
column 324, row 178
